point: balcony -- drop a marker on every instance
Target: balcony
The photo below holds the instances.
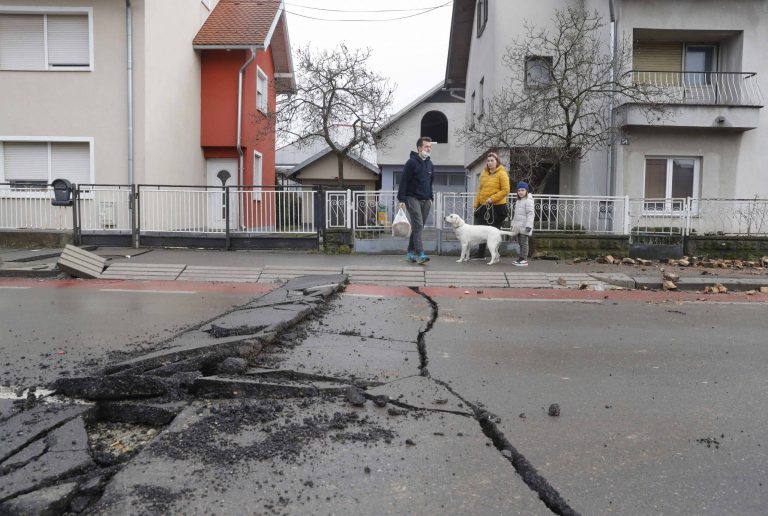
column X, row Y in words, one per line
column 720, row 100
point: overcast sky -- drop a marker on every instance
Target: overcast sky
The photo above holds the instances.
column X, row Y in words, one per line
column 411, row 52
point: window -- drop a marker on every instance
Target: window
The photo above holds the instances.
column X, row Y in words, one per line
column 435, row 125
column 481, row 104
column 538, row 71
column 482, row 16
column 207, row 4
column 667, row 180
column 57, row 40
column 34, row 164
column 261, row 90
column 472, row 111
column 257, row 175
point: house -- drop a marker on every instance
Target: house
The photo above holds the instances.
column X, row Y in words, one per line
column 436, row 114
column 138, row 91
column 68, row 84
column 245, row 61
column 321, row 169
column 709, row 56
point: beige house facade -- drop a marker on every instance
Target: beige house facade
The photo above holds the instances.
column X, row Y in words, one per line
column 708, row 54
column 65, row 91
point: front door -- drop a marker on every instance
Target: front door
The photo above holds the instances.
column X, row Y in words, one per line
column 221, row 172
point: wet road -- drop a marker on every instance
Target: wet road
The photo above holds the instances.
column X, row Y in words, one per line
column 662, row 396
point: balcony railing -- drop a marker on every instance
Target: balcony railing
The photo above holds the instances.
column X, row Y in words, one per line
column 707, row 88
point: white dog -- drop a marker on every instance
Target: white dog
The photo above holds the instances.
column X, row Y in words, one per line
column 469, row 234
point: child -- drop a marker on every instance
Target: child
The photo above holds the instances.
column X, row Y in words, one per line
column 522, row 221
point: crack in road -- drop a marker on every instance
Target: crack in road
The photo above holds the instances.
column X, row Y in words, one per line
column 547, row 494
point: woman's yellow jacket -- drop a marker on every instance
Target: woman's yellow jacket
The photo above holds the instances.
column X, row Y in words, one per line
column 494, row 185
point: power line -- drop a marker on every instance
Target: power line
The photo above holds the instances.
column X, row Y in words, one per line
column 428, row 10
column 288, row 4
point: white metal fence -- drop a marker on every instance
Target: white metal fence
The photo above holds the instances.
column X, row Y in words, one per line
column 105, row 208
column 243, row 210
column 372, row 212
column 29, row 208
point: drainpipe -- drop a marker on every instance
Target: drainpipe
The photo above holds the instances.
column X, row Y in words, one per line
column 452, row 93
column 609, row 180
column 129, row 33
column 129, row 58
column 241, row 74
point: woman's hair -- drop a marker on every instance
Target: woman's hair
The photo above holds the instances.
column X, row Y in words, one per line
column 495, row 156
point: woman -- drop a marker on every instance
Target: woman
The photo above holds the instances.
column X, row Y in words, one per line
column 522, row 221
column 491, row 199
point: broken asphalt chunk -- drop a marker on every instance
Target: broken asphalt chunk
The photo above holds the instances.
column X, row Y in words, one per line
column 221, row 387
column 66, row 454
column 29, row 425
column 145, row 413
column 381, row 400
column 48, row 501
column 233, row 365
column 111, row 387
column 355, row 396
column 554, row 410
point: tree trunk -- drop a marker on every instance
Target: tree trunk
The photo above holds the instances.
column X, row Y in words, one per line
column 340, row 162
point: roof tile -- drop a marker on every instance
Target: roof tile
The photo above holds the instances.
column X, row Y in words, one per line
column 238, row 22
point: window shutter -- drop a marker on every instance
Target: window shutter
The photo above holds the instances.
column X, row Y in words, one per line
column 71, row 161
column 658, row 57
column 22, row 46
column 68, row 40
column 25, row 161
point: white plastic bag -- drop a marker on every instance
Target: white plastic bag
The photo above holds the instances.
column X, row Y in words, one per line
column 400, row 226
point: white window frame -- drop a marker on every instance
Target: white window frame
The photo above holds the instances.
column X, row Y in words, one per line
column 481, row 104
column 668, row 208
column 481, row 14
column 207, row 4
column 42, row 139
column 44, row 10
column 260, row 74
column 258, row 175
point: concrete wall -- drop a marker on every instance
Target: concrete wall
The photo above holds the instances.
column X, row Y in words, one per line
column 76, row 103
column 719, row 153
column 171, row 87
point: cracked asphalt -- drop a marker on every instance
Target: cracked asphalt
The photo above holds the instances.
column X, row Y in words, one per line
column 662, row 405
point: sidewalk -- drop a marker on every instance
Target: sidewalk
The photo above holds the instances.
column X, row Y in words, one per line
column 389, row 270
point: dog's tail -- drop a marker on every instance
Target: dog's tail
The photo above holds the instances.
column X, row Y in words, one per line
column 509, row 233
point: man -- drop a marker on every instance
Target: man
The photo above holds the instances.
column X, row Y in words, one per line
column 415, row 195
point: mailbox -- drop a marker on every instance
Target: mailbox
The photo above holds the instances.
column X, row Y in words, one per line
column 62, row 192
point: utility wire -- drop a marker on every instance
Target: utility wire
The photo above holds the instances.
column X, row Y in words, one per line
column 428, row 10
column 289, row 4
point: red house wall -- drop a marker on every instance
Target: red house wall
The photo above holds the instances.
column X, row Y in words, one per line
column 219, row 79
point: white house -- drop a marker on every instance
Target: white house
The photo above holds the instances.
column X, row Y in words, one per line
column 710, row 53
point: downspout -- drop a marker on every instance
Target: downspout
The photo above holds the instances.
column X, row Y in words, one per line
column 452, row 93
column 241, row 74
column 129, row 58
column 609, row 180
column 129, row 36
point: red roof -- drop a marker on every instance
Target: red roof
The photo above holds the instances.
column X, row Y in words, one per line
column 238, row 23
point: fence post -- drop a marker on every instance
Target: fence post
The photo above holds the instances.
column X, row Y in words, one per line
column 350, row 211
column 134, row 215
column 227, row 242
column 321, row 213
column 439, row 221
column 627, row 216
column 76, row 229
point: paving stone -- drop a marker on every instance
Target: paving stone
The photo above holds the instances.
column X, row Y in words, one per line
column 143, row 271
column 213, row 274
column 29, row 425
column 48, row 501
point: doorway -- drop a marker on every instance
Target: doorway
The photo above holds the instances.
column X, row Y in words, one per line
column 221, row 172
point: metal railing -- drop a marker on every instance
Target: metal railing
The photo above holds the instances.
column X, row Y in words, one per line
column 226, row 210
column 338, row 204
column 718, row 88
column 728, row 217
column 104, row 208
column 375, row 210
column 29, row 208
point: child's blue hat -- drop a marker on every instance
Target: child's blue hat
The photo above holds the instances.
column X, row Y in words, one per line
column 523, row 184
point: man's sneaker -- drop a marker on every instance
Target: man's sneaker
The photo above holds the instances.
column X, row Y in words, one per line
column 520, row 262
column 423, row 258
column 410, row 257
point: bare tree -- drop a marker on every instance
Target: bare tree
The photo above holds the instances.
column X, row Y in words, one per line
column 564, row 82
column 339, row 100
